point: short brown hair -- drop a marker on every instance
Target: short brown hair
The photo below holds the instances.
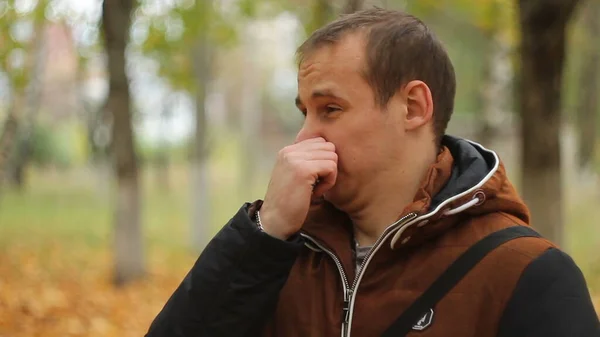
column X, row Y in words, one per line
column 399, row 48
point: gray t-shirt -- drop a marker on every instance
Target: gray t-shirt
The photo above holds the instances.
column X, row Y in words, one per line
column 360, row 252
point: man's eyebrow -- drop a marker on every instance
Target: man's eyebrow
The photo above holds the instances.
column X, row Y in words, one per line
column 316, row 94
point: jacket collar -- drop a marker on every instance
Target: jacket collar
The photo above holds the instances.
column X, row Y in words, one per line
column 465, row 179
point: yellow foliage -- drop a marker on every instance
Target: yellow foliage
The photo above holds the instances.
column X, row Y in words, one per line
column 46, row 293
column 493, row 17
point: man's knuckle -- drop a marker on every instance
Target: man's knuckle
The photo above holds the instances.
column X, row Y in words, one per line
column 299, row 169
column 286, row 154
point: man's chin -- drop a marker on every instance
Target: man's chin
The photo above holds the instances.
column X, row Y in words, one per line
column 316, row 202
column 333, row 198
column 327, row 198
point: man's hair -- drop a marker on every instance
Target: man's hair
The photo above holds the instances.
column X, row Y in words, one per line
column 399, row 48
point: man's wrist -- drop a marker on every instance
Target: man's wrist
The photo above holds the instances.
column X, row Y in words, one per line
column 258, row 221
column 267, row 230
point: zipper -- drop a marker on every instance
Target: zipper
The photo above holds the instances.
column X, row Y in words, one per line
column 345, row 283
column 349, row 291
column 346, row 313
column 363, row 266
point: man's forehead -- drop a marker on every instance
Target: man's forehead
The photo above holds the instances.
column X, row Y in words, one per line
column 348, row 52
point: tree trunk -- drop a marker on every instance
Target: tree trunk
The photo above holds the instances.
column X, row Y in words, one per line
column 200, row 226
column 251, row 119
column 16, row 174
column 353, row 6
column 161, row 174
column 95, row 118
column 129, row 255
column 543, row 33
column 22, row 96
column 161, row 159
column 589, row 82
column 23, row 148
column 8, row 138
column 98, row 124
column 321, row 13
column 495, row 92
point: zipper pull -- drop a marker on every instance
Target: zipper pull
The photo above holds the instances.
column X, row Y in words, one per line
column 346, row 309
column 346, row 312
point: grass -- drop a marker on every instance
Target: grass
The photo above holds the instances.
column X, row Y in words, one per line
column 583, row 239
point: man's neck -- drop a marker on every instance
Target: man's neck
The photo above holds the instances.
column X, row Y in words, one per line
column 384, row 199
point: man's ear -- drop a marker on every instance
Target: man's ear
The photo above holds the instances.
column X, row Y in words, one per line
column 419, row 104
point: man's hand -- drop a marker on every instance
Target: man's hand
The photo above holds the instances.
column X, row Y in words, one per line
column 292, row 185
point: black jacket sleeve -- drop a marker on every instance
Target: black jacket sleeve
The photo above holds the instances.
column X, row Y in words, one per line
column 551, row 299
column 232, row 287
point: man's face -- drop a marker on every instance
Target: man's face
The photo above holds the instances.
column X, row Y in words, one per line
column 340, row 106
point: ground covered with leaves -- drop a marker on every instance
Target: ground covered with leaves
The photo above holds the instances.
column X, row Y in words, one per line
column 60, row 292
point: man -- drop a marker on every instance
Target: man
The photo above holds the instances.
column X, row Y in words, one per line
column 370, row 205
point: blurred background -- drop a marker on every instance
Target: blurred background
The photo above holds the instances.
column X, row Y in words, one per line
column 132, row 131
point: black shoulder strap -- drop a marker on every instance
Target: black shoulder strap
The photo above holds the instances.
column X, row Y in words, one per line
column 457, row 270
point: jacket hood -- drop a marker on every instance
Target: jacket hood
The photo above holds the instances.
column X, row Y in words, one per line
column 475, row 184
column 467, row 180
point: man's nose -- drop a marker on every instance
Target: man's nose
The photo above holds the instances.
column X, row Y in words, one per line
column 309, row 130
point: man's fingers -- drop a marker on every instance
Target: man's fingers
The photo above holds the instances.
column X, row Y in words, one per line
column 314, row 151
column 326, row 171
column 325, row 146
column 320, row 155
column 313, row 145
column 311, row 140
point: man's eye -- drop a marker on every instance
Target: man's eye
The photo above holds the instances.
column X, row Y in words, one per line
column 332, row 108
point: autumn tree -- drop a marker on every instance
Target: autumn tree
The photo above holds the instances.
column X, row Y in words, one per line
column 543, row 26
column 492, row 21
column 589, row 84
column 322, row 11
column 23, row 79
column 495, row 22
column 202, row 55
column 186, row 61
column 24, row 145
column 353, row 6
column 129, row 255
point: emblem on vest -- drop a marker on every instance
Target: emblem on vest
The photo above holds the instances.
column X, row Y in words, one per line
column 424, row 322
